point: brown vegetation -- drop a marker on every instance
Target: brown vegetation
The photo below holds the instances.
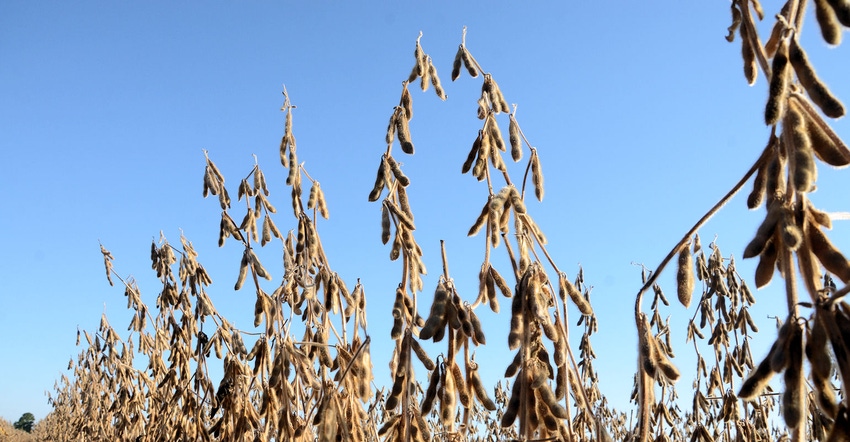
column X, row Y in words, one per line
column 307, row 372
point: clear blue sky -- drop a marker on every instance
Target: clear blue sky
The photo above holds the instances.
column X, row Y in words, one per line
column 640, row 112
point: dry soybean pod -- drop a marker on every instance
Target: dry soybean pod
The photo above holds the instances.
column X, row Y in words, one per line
column 816, row 89
column 402, row 179
column 435, row 80
column 647, row 347
column 662, row 362
column 480, row 391
column 406, row 103
column 513, row 404
column 473, row 153
column 469, row 62
column 380, row 180
column 805, row 172
column 501, row 283
column 391, row 127
column 830, row 28
column 831, row 258
column 482, row 219
column 402, row 217
column 536, row 175
column 403, row 131
column 749, row 56
column 460, row 384
column 243, row 270
column 565, row 287
column 764, row 232
column 824, row 146
column 842, row 10
column 437, row 317
column 420, row 353
column 491, row 126
column 756, row 196
column 515, row 139
column 793, row 397
column 778, row 91
column 753, row 386
column 448, row 400
column 431, row 392
column 457, row 63
column 767, row 263
column 517, row 327
column 685, row 275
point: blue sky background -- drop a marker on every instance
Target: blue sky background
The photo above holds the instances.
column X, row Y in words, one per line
column 640, row 111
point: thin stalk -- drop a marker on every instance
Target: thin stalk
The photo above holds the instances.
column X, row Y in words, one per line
column 654, row 276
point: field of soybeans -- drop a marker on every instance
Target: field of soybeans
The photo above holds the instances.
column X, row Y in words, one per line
column 181, row 371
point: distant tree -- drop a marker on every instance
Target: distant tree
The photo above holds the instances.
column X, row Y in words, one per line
column 25, row 422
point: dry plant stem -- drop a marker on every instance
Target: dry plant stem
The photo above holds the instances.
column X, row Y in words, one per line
column 445, row 260
column 835, row 297
column 574, row 366
column 463, row 42
column 644, row 403
column 525, row 430
column 489, row 181
column 450, row 356
column 405, row 406
column 654, row 276
column 581, row 390
column 546, row 254
column 467, row 370
column 511, row 256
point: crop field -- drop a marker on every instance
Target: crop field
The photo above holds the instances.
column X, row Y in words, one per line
column 182, row 371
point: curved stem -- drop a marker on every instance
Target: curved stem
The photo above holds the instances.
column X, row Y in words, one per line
column 654, row 276
column 644, row 381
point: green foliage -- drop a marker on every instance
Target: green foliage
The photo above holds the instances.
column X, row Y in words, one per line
column 25, row 423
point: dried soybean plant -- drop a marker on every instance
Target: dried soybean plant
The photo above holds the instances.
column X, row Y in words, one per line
column 535, row 314
column 785, row 173
column 315, row 386
column 284, row 388
column 449, row 317
column 721, row 324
